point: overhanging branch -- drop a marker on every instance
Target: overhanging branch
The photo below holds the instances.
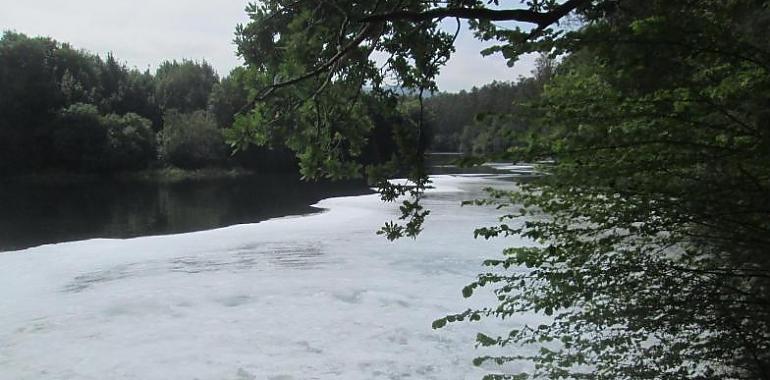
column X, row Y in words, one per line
column 374, row 22
column 365, row 33
column 541, row 19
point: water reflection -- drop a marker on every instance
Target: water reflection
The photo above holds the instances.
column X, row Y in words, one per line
column 32, row 215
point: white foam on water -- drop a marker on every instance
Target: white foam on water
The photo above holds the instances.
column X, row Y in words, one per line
column 310, row 297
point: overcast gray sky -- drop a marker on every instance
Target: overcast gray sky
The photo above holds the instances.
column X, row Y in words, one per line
column 145, row 32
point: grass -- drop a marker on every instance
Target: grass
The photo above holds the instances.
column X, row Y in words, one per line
column 174, row 174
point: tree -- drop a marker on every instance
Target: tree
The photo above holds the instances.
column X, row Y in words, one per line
column 657, row 202
column 78, row 73
column 192, row 140
column 184, row 86
column 131, row 142
column 47, row 83
column 652, row 222
column 80, row 139
column 113, row 82
column 29, row 98
column 86, row 141
column 228, row 97
column 139, row 98
column 311, row 61
column 454, row 121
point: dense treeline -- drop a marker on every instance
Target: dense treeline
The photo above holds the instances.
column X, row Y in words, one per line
column 64, row 109
column 483, row 120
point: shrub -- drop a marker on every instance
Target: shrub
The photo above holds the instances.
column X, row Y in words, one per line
column 192, row 140
column 80, row 139
column 131, row 142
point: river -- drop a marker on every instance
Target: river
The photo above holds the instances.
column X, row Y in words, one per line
column 34, row 214
column 313, row 296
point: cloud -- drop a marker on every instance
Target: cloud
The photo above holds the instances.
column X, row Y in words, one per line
column 143, row 33
column 469, row 68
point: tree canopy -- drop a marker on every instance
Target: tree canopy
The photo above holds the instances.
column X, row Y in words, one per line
column 65, row 109
column 481, row 120
column 303, row 49
column 652, row 220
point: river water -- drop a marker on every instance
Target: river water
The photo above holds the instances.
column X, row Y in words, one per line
column 35, row 214
column 316, row 296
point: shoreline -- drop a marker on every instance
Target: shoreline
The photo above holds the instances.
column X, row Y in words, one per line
column 157, row 175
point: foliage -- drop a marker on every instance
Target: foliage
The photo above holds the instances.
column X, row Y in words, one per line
column 323, row 117
column 27, row 97
column 136, row 95
column 131, row 142
column 229, row 97
column 66, row 109
column 651, row 222
column 454, row 121
column 80, row 139
column 184, row 86
column 192, row 140
column 491, row 134
column 44, row 120
column 86, row 141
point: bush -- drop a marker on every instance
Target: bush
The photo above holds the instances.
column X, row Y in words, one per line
column 131, row 142
column 192, row 140
column 85, row 141
column 80, row 139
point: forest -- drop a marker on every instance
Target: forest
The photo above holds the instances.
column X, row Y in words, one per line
column 66, row 110
column 483, row 120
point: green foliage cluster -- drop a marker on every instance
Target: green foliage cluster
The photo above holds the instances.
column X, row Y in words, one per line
column 228, row 97
column 653, row 224
column 476, row 121
column 650, row 227
column 192, row 140
column 41, row 78
column 184, row 86
column 68, row 110
column 84, row 139
column 313, row 61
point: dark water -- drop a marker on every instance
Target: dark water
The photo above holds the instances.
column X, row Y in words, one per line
column 32, row 215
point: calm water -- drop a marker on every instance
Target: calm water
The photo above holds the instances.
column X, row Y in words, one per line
column 32, row 215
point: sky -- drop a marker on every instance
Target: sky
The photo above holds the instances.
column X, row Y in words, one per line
column 143, row 33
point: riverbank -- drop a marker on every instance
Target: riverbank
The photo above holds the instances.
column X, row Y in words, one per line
column 173, row 174
column 66, row 208
column 166, row 175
